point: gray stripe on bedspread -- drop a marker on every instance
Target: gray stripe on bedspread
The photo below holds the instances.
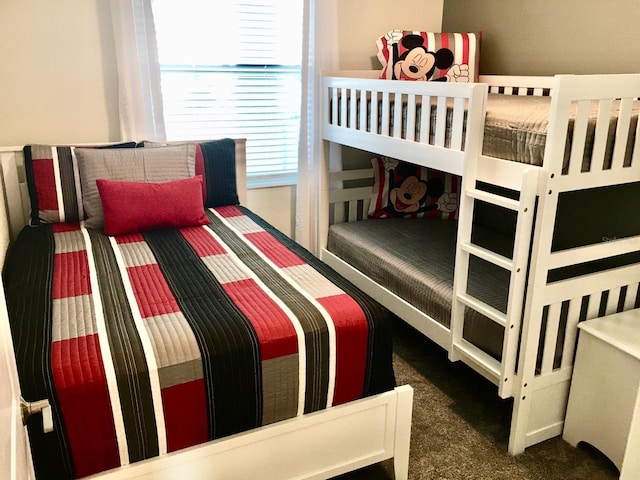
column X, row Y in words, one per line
column 414, row 258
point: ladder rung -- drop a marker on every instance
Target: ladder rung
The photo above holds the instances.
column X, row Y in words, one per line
column 494, row 199
column 484, row 363
column 486, row 310
column 488, row 255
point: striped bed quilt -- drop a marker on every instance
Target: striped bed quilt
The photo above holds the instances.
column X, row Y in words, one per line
column 152, row 342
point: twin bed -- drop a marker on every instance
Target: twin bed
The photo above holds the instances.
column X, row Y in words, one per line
column 545, row 173
column 203, row 345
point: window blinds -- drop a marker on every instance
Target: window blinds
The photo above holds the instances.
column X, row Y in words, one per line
column 233, row 70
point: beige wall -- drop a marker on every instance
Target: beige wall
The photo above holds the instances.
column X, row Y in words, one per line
column 276, row 205
column 361, row 22
column 57, row 72
column 544, row 37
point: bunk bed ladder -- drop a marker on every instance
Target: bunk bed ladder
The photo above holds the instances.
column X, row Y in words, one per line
column 498, row 371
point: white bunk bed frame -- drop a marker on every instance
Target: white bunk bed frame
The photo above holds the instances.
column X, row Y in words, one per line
column 322, row 444
column 534, row 318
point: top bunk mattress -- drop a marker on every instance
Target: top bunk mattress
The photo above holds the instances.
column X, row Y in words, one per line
column 151, row 342
column 515, row 126
column 516, row 129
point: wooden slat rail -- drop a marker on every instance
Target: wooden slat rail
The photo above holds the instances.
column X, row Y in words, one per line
column 362, row 115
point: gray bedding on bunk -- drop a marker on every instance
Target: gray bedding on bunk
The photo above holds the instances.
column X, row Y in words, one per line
column 414, row 258
column 516, row 128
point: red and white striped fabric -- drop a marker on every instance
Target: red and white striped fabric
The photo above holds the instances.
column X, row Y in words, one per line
column 464, row 46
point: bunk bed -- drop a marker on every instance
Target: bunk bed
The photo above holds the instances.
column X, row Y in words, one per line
column 122, row 393
column 570, row 256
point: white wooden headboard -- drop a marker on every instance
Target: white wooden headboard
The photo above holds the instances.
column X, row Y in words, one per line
column 15, row 208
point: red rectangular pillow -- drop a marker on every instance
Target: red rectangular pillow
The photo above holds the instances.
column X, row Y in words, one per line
column 131, row 207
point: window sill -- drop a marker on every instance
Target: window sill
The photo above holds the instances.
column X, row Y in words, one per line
column 270, row 181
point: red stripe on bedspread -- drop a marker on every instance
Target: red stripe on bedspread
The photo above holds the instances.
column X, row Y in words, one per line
column 274, row 250
column 65, row 227
column 229, row 211
column 71, row 275
column 83, row 397
column 202, row 242
column 152, row 293
column 190, row 426
column 352, row 337
column 275, row 332
column 129, row 238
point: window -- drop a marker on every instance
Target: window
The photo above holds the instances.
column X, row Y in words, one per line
column 233, row 69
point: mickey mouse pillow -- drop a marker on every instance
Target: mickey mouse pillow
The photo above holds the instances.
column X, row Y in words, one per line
column 429, row 56
column 403, row 189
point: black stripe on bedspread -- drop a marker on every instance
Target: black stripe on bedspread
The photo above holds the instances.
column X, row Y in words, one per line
column 132, row 372
column 29, row 304
column 233, row 402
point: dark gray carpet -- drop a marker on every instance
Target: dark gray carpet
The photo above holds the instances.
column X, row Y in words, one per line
column 461, row 427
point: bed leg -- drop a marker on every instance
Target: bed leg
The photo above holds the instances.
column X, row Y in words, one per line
column 402, row 440
column 519, row 416
column 538, row 414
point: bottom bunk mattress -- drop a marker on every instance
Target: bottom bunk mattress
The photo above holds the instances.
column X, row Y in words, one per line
column 152, row 342
column 414, row 259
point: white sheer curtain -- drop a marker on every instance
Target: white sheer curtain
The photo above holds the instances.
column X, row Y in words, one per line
column 320, row 52
column 140, row 97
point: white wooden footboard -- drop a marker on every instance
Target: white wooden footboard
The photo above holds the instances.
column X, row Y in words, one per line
column 315, row 446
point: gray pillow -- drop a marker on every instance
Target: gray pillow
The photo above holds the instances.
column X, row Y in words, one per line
column 131, row 165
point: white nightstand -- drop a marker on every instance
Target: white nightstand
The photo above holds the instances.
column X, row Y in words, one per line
column 604, row 404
